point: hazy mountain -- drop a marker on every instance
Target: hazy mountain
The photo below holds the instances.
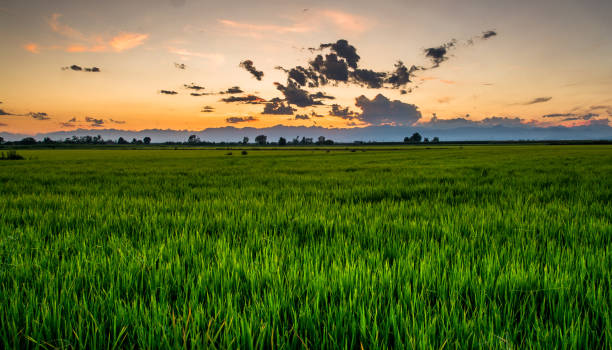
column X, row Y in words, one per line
column 372, row 133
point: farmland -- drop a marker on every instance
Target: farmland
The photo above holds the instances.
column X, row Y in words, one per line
column 414, row 247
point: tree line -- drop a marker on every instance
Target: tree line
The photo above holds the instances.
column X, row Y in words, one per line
column 194, row 140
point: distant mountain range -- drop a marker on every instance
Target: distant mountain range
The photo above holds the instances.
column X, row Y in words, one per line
column 370, row 133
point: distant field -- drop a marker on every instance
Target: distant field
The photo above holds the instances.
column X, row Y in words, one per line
column 439, row 247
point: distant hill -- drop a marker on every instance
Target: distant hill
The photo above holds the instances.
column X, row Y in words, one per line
column 371, row 133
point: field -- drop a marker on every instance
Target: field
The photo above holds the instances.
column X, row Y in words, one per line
column 417, row 247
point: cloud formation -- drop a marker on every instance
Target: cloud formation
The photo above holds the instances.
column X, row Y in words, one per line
column 207, row 109
column 538, row 100
column 439, row 54
column 278, row 107
column 192, row 86
column 168, row 92
column 235, row 120
column 380, row 110
column 250, row 99
column 249, row 67
column 77, row 68
column 39, row 115
column 302, row 117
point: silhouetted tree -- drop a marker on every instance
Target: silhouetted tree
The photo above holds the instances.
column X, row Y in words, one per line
column 321, row 140
column 282, row 141
column 28, row 141
column 193, row 139
column 1, row 140
column 261, row 139
column 147, row 140
column 426, row 140
column 435, row 140
column 122, row 141
column 245, row 140
column 415, row 138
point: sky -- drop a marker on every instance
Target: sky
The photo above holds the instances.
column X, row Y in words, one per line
column 187, row 64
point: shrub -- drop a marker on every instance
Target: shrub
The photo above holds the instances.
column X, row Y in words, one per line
column 11, row 155
column 244, row 153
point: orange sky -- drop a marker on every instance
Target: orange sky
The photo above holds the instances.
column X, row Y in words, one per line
column 550, row 58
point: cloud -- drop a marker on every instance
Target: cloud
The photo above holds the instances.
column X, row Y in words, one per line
column 168, row 92
column 460, row 122
column 401, row 75
column 250, row 99
column 32, row 47
column 126, row 41
column 94, row 43
column 538, row 100
column 3, row 124
column 343, row 49
column 248, row 66
column 207, row 109
column 343, row 113
column 74, row 67
column 302, row 117
column 380, row 110
column 116, row 121
column 3, row 112
column 571, row 116
column 487, row 34
column 346, row 21
column 257, row 29
column 235, row 120
column 180, row 66
column 234, row 90
column 38, row 115
column 296, row 96
column 278, row 107
column 192, row 86
column 94, row 121
column 439, row 54
column 445, row 99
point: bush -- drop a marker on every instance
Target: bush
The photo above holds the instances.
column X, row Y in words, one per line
column 244, row 153
column 228, row 154
column 11, row 155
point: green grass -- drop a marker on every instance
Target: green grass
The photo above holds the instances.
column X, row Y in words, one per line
column 441, row 247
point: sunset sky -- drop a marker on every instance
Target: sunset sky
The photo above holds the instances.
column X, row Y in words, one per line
column 544, row 62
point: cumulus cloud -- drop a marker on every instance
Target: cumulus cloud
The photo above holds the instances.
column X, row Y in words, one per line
column 380, row 110
column 295, row 95
column 345, row 113
column 249, row 67
column 278, row 107
column 235, row 120
column 343, row 49
column 250, row 99
column 168, row 92
column 538, row 100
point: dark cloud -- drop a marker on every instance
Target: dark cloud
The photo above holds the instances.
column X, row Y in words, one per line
column 538, row 100
column 248, row 65
column 180, row 65
column 296, row 96
column 207, row 109
column 73, row 120
column 235, row 120
column 439, row 54
column 343, row 49
column 168, row 92
column 39, row 115
column 369, row 78
column 344, row 113
column 330, row 68
column 572, row 116
column 234, row 90
column 381, row 110
column 3, row 124
column 401, row 75
column 302, row 117
column 250, row 99
column 314, row 114
column 199, row 94
column 489, row 33
column 192, row 86
column 278, row 107
column 3, row 112
column 321, row 95
column 117, row 121
column 74, row 67
column 94, row 121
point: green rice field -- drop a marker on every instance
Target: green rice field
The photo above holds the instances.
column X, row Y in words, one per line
column 437, row 247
